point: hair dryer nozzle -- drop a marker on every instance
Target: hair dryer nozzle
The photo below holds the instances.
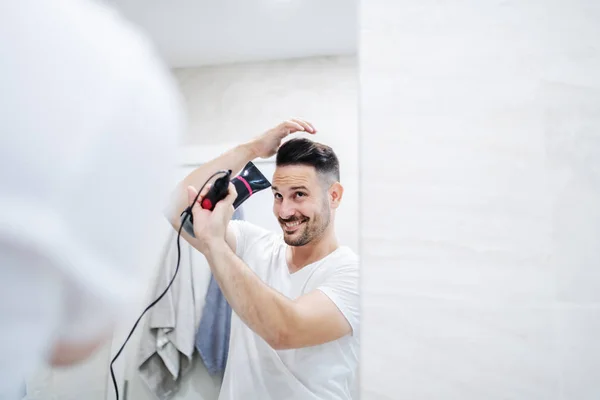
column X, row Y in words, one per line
column 248, row 182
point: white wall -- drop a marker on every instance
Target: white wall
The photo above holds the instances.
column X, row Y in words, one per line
column 481, row 261
column 234, row 103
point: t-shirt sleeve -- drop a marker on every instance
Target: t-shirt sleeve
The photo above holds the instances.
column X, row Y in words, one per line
column 247, row 235
column 342, row 288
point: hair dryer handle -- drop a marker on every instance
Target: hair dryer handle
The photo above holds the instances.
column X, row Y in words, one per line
column 217, row 192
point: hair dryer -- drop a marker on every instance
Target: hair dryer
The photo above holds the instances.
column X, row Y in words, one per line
column 248, row 182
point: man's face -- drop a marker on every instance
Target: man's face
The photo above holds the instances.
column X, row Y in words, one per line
column 301, row 204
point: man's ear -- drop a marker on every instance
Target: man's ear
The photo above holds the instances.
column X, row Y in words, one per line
column 336, row 192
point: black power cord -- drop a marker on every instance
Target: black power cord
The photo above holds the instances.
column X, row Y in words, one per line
column 188, row 213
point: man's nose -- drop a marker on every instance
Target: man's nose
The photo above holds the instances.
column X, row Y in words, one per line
column 286, row 210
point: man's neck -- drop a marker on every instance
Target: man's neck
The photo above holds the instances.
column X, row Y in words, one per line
column 299, row 257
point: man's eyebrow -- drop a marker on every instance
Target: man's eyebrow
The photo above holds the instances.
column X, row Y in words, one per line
column 300, row 188
column 274, row 188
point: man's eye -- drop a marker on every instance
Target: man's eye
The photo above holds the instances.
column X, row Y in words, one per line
column 300, row 194
column 277, row 196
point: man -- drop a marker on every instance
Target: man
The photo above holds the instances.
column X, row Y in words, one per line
column 90, row 120
column 295, row 325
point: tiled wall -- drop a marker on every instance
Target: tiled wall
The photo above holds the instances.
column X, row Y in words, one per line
column 480, row 270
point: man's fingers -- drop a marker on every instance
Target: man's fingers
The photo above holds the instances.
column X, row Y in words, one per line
column 205, row 190
column 192, row 192
column 227, row 202
column 231, row 194
column 293, row 126
column 308, row 127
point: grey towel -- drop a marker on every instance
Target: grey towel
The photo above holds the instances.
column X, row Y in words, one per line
column 212, row 337
column 167, row 340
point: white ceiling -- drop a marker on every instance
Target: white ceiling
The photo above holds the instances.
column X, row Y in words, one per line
column 204, row 32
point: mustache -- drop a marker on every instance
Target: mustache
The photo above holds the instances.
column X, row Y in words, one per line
column 292, row 219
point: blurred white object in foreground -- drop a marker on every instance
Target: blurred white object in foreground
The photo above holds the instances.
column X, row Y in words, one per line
column 89, row 122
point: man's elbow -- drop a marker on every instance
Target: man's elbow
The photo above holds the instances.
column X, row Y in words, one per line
column 170, row 214
column 69, row 354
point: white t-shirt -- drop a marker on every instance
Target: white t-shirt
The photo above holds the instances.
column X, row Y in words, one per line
column 328, row 371
column 89, row 124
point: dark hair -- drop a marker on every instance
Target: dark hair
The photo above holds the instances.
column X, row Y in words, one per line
column 302, row 151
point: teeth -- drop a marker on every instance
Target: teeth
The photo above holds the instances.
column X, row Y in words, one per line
column 292, row 224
